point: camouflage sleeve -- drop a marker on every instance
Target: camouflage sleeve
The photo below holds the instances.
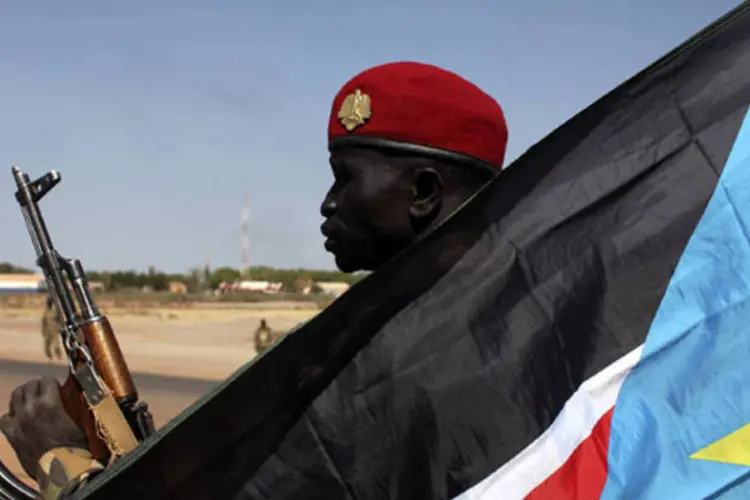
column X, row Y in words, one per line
column 63, row 471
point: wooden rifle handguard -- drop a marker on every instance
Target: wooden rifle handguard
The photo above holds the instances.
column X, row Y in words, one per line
column 110, row 363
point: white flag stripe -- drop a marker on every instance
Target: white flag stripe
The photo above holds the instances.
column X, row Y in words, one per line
column 527, row 470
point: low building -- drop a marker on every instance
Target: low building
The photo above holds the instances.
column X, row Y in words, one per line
column 333, row 288
column 251, row 286
column 22, row 283
column 33, row 283
column 177, row 287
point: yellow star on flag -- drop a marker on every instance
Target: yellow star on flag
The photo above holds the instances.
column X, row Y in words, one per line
column 733, row 448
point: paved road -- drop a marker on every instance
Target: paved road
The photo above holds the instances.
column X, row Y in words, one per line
column 166, row 396
column 24, row 370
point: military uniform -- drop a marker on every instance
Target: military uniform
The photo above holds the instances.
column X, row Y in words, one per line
column 51, row 334
column 264, row 337
column 63, row 471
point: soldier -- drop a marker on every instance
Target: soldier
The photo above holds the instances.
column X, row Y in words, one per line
column 409, row 144
column 51, row 332
column 263, row 337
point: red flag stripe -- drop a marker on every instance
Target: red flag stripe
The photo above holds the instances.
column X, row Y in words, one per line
column 571, row 447
column 583, row 476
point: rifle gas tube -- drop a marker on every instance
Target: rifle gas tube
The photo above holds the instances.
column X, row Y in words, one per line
column 99, row 393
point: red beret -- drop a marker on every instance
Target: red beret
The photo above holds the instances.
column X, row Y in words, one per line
column 420, row 108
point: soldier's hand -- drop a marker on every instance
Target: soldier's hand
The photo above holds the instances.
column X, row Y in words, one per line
column 37, row 422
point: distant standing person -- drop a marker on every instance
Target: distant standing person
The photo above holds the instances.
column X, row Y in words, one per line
column 264, row 337
column 51, row 332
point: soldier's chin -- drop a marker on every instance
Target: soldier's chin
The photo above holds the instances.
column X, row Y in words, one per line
column 347, row 264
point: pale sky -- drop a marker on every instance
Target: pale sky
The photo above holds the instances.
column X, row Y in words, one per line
column 160, row 114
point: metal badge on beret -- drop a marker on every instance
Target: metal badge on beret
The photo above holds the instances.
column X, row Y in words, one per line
column 355, row 110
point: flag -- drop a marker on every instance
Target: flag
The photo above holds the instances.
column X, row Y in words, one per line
column 580, row 329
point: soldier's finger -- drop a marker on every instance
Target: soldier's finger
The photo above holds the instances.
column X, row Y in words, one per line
column 31, row 388
column 49, row 390
column 31, row 394
column 7, row 425
column 16, row 400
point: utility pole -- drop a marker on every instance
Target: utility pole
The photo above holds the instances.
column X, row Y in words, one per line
column 245, row 237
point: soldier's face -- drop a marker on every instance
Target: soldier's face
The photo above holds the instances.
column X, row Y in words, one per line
column 366, row 210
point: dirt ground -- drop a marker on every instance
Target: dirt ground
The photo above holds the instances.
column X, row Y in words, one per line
column 207, row 343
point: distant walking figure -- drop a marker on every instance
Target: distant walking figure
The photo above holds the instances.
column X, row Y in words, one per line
column 51, row 332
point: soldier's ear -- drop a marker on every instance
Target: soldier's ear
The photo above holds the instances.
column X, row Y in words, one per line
column 427, row 191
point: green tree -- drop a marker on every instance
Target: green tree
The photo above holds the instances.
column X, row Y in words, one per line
column 293, row 280
column 193, row 281
column 8, row 268
column 206, row 278
column 158, row 281
column 227, row 274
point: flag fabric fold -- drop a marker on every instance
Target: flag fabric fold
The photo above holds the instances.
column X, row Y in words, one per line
column 578, row 330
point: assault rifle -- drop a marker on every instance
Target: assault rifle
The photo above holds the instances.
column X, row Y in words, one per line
column 99, row 393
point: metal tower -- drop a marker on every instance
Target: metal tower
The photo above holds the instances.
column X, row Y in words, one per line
column 205, row 275
column 245, row 236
